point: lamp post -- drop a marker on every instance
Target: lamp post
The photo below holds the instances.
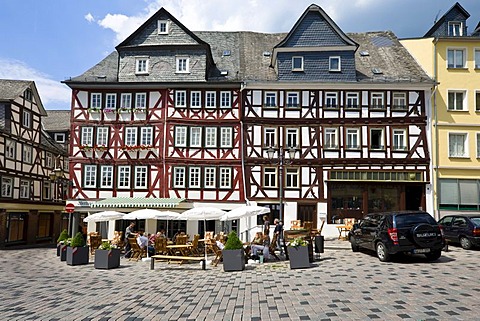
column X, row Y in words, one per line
column 284, row 157
column 55, row 176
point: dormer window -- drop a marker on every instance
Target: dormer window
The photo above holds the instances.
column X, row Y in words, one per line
column 28, row 94
column 297, row 63
column 182, row 65
column 455, row 29
column 141, row 65
column 334, row 64
column 162, row 27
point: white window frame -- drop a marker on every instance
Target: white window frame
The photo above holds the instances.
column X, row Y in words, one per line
column 295, row 60
column 331, row 100
column 210, row 177
column 141, row 100
column 182, row 65
column 292, row 137
column 211, row 137
column 292, row 99
column 377, row 100
column 270, row 136
column 270, row 177
column 10, row 148
column 102, row 136
column 180, row 98
column 180, row 136
column 353, row 136
column 7, row 186
column 141, row 65
column 90, row 176
column 455, row 29
column 352, row 100
column 225, row 99
column 194, row 177
column 27, row 119
column 96, row 101
column 124, row 176
column 195, row 99
column 399, row 100
column 455, row 153
column 476, row 57
column 130, row 138
column 331, row 63
column 146, row 136
column 292, row 177
column 25, row 189
column 59, row 137
column 452, row 58
column 330, row 138
column 86, row 137
column 111, row 101
column 27, row 154
column 106, row 176
column 195, row 136
column 179, row 177
column 47, row 190
column 225, row 174
column 464, row 106
column 141, row 178
column 382, row 139
column 160, row 24
column 226, row 137
column 210, row 99
column 270, row 99
column 126, row 100
column 48, row 160
column 399, row 139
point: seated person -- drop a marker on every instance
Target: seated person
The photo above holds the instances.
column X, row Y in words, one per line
column 263, row 247
column 142, row 241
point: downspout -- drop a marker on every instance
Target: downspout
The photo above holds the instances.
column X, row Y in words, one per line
column 242, row 154
column 435, row 117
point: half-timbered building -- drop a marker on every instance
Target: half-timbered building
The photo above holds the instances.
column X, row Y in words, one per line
column 32, row 170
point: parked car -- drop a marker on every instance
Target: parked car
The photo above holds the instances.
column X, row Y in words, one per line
column 398, row 232
column 462, row 229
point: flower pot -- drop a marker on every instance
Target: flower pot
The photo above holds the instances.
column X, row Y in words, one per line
column 298, row 256
column 107, row 259
column 77, row 255
column 63, row 252
column 233, row 260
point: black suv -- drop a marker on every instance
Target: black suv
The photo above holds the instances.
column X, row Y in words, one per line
column 398, row 232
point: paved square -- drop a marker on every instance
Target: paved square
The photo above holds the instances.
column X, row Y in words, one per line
column 342, row 285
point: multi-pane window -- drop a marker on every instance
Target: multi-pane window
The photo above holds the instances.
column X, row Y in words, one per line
column 352, row 100
column 96, row 100
column 59, row 137
column 126, row 101
column 27, row 154
column 399, row 100
column 24, row 189
column 141, row 100
column 124, row 176
column 455, row 29
column 180, row 98
column 28, row 93
column 131, row 136
column 195, row 136
column 180, row 136
column 331, row 138
column 182, row 64
column 478, row 145
column 477, row 58
column 194, row 177
column 146, row 136
column 111, row 101
column 48, row 160
column 86, row 138
column 179, row 177
column 297, row 63
column 270, row 177
column 141, row 65
column 455, row 100
column 210, row 99
column 210, row 177
column 210, row 137
column 334, row 64
column 292, row 137
column 162, row 27
column 7, row 186
column 225, row 99
column 195, row 99
column 291, row 178
column 270, row 99
column 292, row 99
column 353, row 138
column 270, row 137
column 225, row 177
column 376, row 101
column 456, row 58
column 27, row 119
column 106, row 176
column 90, row 176
column 47, row 190
column 457, row 145
column 226, row 137
column 141, row 177
column 10, row 148
column 399, row 139
column 102, row 136
column 477, row 101
column 331, row 100
column 376, row 138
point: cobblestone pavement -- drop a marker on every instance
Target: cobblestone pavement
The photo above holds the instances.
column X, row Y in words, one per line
column 340, row 286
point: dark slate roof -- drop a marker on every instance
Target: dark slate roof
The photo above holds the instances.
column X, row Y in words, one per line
column 51, row 145
column 453, row 14
column 105, row 71
column 11, row 89
column 476, row 32
column 57, row 120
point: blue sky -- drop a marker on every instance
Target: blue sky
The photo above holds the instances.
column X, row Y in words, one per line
column 51, row 40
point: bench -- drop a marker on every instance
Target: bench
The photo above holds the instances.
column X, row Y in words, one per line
column 177, row 258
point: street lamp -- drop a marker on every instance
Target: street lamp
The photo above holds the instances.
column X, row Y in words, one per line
column 55, row 176
column 285, row 157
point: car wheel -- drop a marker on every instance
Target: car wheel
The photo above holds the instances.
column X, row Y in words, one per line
column 382, row 252
column 465, row 243
column 434, row 255
column 353, row 242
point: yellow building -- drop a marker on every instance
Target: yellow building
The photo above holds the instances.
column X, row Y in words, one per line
column 451, row 56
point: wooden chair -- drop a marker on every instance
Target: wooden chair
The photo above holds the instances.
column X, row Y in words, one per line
column 216, row 251
column 307, row 225
column 209, row 235
column 296, row 225
column 95, row 242
column 160, row 245
column 194, row 249
column 117, row 240
column 181, row 239
column 273, row 247
column 137, row 252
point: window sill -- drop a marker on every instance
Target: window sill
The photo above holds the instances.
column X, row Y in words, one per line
column 457, row 68
column 460, row 157
column 141, row 74
column 182, row 72
column 457, row 110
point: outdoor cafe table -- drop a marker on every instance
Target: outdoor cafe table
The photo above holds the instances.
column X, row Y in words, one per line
column 183, row 248
column 343, row 231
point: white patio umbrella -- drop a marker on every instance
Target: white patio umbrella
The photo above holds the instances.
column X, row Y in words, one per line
column 104, row 216
column 244, row 211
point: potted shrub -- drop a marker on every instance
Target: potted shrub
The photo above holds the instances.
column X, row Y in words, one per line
column 107, row 256
column 61, row 244
column 77, row 252
column 233, row 254
column 298, row 253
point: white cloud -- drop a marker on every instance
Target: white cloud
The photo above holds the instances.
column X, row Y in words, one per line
column 89, row 17
column 54, row 95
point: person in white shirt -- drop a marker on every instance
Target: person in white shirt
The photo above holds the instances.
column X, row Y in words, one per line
column 142, row 241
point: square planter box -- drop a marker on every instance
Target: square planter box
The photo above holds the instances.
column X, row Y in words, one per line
column 58, row 248
column 77, row 255
column 233, row 260
column 107, row 259
column 298, row 257
column 63, row 252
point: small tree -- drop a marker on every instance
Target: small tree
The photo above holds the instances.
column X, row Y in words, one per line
column 233, row 242
column 63, row 236
column 78, row 240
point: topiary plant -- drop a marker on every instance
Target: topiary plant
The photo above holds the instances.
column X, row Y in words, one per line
column 233, row 242
column 63, row 236
column 78, row 240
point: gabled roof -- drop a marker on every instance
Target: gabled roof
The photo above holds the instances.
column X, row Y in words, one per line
column 441, row 21
column 476, row 32
column 51, row 145
column 57, row 121
column 12, row 89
